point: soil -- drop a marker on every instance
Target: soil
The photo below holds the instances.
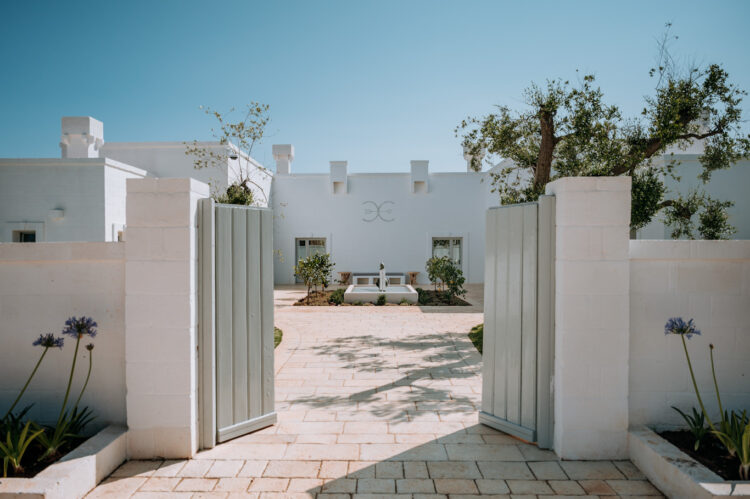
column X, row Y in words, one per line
column 32, row 465
column 711, row 453
column 322, row 299
column 430, row 297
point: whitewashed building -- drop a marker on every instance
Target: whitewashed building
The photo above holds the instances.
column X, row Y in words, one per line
column 361, row 219
column 81, row 195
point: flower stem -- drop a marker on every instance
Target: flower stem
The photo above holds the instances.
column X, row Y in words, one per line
column 85, row 384
column 27, row 383
column 70, row 382
column 695, row 385
column 716, row 385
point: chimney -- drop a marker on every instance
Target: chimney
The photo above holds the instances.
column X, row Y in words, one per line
column 469, row 157
column 419, row 176
column 283, row 154
column 82, row 136
column 339, row 177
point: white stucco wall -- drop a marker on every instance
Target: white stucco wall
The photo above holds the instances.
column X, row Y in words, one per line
column 41, row 285
column 90, row 191
column 168, row 160
column 454, row 206
column 708, row 281
column 725, row 185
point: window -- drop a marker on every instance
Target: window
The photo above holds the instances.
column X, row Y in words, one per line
column 447, row 246
column 305, row 247
column 24, row 236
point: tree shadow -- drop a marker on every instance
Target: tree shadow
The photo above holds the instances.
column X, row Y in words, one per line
column 425, row 375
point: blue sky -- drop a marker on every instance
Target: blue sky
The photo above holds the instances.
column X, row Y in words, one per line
column 377, row 83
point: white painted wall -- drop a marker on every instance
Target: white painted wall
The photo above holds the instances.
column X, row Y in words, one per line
column 41, row 285
column 454, row 206
column 591, row 316
column 90, row 191
column 168, row 160
column 726, row 185
column 708, row 281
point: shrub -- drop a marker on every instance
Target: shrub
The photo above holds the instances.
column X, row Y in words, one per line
column 476, row 335
column 381, row 301
column 357, row 303
column 403, row 301
column 315, row 270
column 237, row 193
column 337, row 297
column 422, row 297
column 444, row 273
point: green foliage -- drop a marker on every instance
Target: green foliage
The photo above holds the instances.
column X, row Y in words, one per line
column 315, row 270
column 15, row 444
column 734, row 434
column 647, row 195
column 380, row 301
column 445, row 275
column 696, row 424
column 422, row 297
column 403, row 301
column 337, row 296
column 569, row 130
column 476, row 335
column 680, row 214
column 238, row 137
column 733, row 430
column 357, row 304
column 714, row 220
column 237, row 193
column 278, row 334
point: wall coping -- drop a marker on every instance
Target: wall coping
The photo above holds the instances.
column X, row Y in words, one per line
column 62, row 251
column 646, row 249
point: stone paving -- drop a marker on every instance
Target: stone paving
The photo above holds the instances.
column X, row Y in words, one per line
column 376, row 402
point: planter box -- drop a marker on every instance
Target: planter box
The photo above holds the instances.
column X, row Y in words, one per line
column 76, row 473
column 674, row 472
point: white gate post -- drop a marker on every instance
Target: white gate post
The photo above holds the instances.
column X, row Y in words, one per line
column 592, row 304
column 161, row 316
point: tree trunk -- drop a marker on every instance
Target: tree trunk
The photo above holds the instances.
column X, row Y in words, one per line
column 546, row 148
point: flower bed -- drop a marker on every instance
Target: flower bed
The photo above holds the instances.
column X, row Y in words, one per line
column 676, row 473
column 78, row 472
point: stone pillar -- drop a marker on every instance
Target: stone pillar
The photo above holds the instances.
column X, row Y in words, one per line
column 592, row 305
column 161, row 316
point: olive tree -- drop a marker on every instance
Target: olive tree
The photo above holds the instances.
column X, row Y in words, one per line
column 567, row 129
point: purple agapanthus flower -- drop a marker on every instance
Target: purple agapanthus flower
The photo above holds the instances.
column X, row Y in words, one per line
column 49, row 341
column 77, row 327
column 676, row 325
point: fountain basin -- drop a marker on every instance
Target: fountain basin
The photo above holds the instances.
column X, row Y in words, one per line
column 370, row 293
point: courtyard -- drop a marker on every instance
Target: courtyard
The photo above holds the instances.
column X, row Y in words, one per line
column 375, row 402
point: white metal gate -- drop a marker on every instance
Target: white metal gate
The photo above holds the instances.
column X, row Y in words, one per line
column 518, row 350
column 236, row 321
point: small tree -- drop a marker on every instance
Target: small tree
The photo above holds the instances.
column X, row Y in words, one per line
column 315, row 270
column 435, row 270
column 444, row 273
column 238, row 138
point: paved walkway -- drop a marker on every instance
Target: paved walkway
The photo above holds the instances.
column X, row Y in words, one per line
column 375, row 402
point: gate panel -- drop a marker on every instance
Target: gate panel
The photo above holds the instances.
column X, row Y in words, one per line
column 516, row 373
column 237, row 366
